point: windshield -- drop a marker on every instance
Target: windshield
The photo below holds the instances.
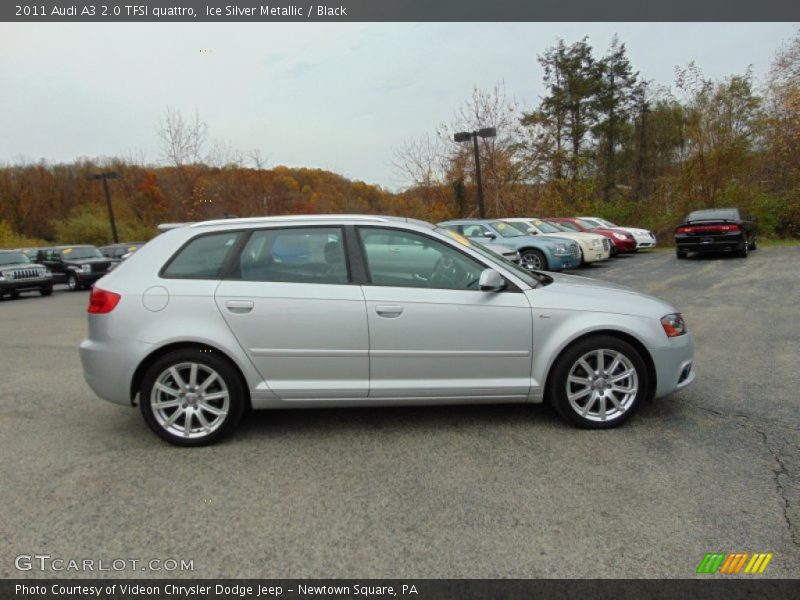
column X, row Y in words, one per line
column 589, row 223
column 81, row 252
column 606, row 223
column 505, row 230
column 565, row 225
column 13, row 258
column 545, row 227
column 532, row 278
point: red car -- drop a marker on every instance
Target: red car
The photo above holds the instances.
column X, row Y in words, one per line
column 621, row 241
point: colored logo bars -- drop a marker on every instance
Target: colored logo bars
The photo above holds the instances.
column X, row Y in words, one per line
column 732, row 563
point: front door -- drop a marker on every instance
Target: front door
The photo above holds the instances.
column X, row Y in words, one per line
column 433, row 334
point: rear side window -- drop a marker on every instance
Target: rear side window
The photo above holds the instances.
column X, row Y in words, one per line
column 295, row 255
column 203, row 257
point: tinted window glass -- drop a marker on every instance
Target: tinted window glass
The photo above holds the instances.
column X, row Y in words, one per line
column 475, row 230
column 411, row 260
column 702, row 215
column 203, row 257
column 310, row 255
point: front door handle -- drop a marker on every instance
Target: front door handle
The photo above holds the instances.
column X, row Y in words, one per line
column 239, row 306
column 390, row 311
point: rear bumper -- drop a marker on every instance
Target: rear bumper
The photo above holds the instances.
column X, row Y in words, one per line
column 109, row 365
column 719, row 244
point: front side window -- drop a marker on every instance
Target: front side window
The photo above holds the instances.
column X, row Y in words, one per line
column 203, row 257
column 475, row 230
column 295, row 255
column 407, row 259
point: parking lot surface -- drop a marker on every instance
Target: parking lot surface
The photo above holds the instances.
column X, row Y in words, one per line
column 468, row 492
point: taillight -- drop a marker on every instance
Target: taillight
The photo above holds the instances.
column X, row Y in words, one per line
column 102, row 301
column 707, row 228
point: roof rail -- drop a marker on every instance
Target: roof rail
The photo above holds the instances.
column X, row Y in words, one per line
column 283, row 218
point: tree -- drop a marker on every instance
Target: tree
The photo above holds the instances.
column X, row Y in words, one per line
column 182, row 140
column 615, row 98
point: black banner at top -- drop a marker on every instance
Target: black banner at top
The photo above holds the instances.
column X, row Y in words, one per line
column 244, row 11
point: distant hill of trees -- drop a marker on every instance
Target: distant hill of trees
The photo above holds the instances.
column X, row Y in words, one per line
column 602, row 140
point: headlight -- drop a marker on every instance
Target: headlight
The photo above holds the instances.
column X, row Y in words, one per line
column 597, row 243
column 673, row 325
column 560, row 250
column 86, row 268
column 619, row 236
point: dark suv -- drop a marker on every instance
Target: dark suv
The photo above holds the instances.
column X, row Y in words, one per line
column 18, row 274
column 715, row 230
column 77, row 266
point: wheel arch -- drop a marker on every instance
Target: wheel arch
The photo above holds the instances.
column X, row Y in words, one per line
column 150, row 359
column 621, row 335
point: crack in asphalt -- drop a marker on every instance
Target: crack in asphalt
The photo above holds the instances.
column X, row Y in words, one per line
column 743, row 420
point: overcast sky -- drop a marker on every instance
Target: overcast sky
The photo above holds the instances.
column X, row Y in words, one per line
column 334, row 96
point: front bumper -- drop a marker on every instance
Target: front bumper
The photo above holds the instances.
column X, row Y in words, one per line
column 674, row 365
column 559, row 263
column 26, row 285
column 595, row 254
column 88, row 278
column 645, row 242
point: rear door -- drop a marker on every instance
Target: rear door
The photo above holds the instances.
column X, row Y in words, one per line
column 291, row 304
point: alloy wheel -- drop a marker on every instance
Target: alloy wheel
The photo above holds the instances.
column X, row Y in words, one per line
column 531, row 261
column 190, row 400
column 602, row 385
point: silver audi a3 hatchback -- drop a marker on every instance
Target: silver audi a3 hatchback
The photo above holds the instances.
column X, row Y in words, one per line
column 212, row 318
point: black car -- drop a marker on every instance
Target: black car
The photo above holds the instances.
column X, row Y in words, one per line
column 715, row 230
column 77, row 266
column 118, row 251
column 18, row 274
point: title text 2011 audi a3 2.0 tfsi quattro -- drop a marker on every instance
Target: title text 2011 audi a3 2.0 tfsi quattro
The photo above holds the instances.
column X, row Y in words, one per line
column 279, row 312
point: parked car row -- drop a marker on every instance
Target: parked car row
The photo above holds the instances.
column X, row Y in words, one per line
column 78, row 266
column 555, row 244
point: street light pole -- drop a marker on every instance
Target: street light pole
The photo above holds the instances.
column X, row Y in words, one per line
column 105, row 177
column 463, row 136
column 481, row 208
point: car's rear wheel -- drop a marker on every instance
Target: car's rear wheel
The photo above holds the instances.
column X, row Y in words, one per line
column 192, row 397
column 533, row 260
column 753, row 244
column 744, row 251
column 598, row 382
column 681, row 254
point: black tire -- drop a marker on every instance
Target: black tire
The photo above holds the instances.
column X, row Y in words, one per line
column 754, row 243
column 556, row 392
column 533, row 256
column 72, row 283
column 48, row 291
column 226, row 372
column 744, row 251
column 681, row 254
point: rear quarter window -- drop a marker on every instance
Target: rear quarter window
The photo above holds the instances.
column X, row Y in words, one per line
column 202, row 257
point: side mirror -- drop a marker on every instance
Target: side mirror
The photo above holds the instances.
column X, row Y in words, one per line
column 491, row 281
column 491, row 235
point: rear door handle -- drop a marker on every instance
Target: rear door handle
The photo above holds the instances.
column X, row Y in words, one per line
column 239, row 306
column 390, row 311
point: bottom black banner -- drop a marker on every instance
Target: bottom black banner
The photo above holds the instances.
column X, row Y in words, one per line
column 386, row 589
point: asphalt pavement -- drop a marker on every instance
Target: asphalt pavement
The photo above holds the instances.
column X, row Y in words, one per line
column 464, row 492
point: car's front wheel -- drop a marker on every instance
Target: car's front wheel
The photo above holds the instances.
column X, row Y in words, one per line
column 72, row 282
column 533, row 260
column 598, row 382
column 192, row 397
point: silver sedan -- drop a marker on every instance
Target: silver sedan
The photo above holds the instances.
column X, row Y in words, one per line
column 211, row 318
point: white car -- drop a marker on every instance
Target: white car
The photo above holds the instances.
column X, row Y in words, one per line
column 644, row 237
column 594, row 247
